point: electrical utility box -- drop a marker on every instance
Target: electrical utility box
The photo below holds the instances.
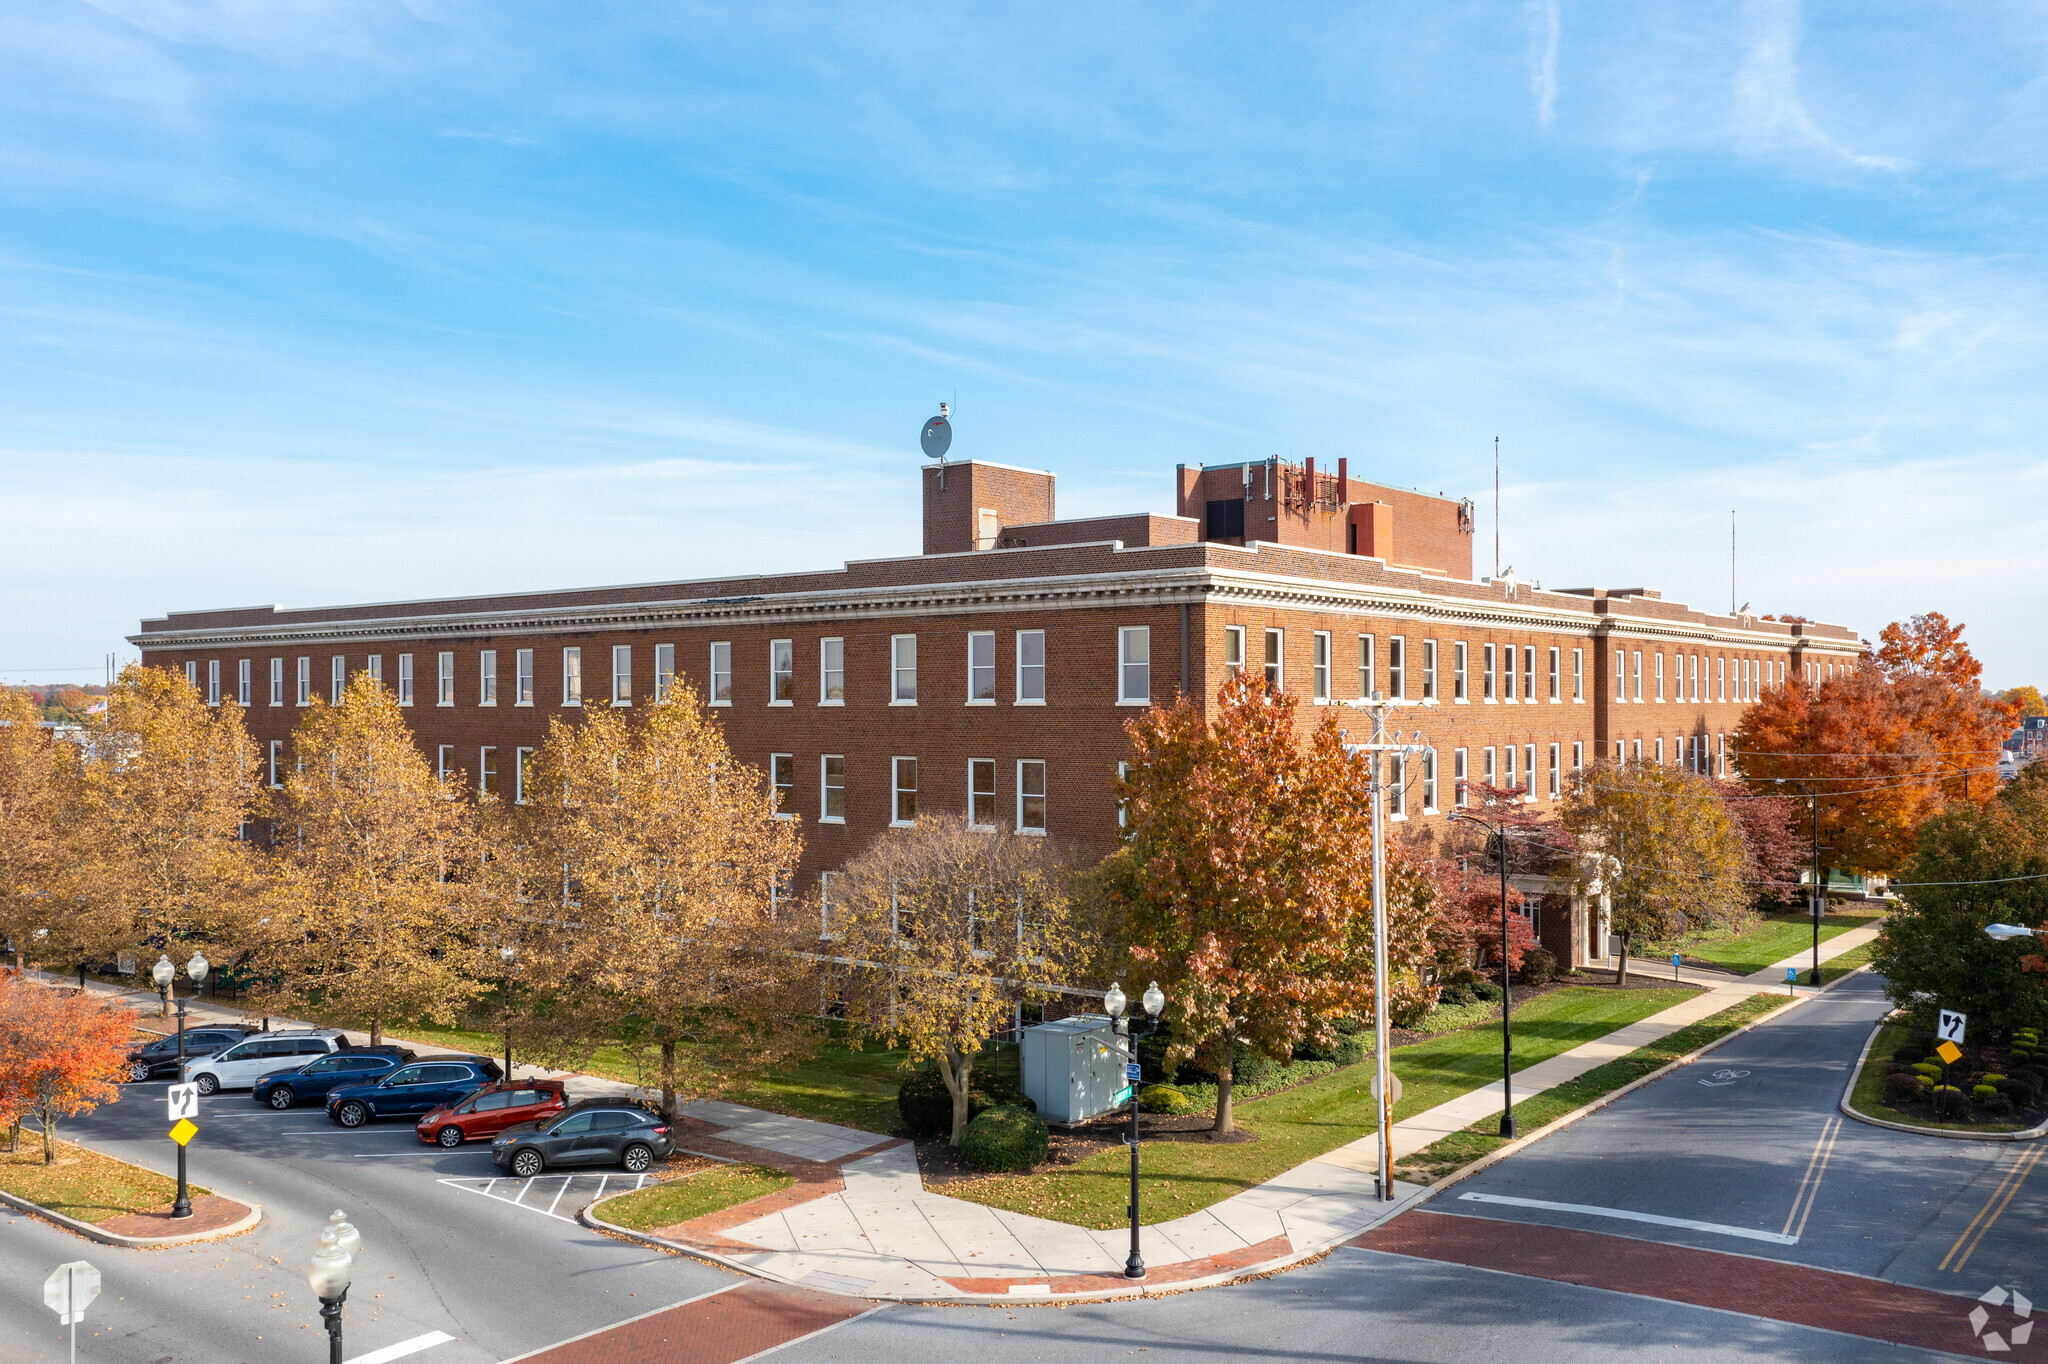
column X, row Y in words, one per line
column 1073, row 1069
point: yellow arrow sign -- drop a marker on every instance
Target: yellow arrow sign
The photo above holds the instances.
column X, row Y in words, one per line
column 184, row 1131
column 1949, row 1052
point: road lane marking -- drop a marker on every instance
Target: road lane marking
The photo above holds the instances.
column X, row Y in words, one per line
column 590, row 1188
column 1995, row 1206
column 1586, row 1209
column 1809, row 1184
column 403, row 1348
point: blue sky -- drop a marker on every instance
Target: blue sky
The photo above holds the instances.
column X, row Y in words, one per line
column 313, row 303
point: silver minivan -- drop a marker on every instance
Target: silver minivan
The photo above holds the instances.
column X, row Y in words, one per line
column 240, row 1066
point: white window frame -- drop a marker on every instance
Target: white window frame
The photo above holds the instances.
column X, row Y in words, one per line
column 1722, row 668
column 622, row 674
column 192, row 673
column 1659, row 741
column 1556, row 776
column 832, row 671
column 664, row 671
column 245, row 672
column 1368, row 666
column 1429, row 781
column 1429, row 679
column 276, row 761
column 984, row 639
column 1556, row 675
column 339, row 670
column 375, row 668
column 441, row 752
column 1025, row 768
column 902, row 648
column 519, row 756
column 781, row 672
column 1320, row 676
column 1489, row 676
column 1507, row 676
column 1578, row 677
column 1492, row 756
column 405, row 679
column 720, row 663
column 276, row 681
column 572, row 675
column 487, row 677
column 524, row 687
column 1233, row 650
column 1397, row 789
column 1507, row 771
column 1460, row 673
column 1529, row 673
column 978, row 768
column 1529, row 772
column 1030, row 676
column 1274, row 659
column 1461, row 776
column 1578, row 755
column 897, row 790
column 1660, row 677
column 1132, row 640
column 305, row 692
column 826, row 788
column 1637, row 667
column 487, row 770
column 1620, row 677
column 784, row 791
column 1397, row 667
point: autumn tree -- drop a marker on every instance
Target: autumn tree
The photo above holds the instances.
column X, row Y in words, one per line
column 1885, row 745
column 1466, row 930
column 1245, row 880
column 2026, row 703
column 167, row 785
column 652, row 876
column 38, row 782
column 946, row 929
column 375, row 908
column 62, row 1053
column 1661, row 845
column 1774, row 838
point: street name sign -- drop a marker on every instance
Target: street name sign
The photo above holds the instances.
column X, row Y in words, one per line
column 70, row 1289
column 1949, row 1026
column 182, row 1101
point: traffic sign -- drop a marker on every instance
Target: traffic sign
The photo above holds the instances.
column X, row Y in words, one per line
column 1123, row 1095
column 1132, row 1072
column 1949, row 1026
column 1949, row 1052
column 70, row 1289
column 184, row 1131
column 183, row 1101
column 1376, row 1085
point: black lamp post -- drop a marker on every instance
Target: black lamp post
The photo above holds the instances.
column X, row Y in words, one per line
column 1113, row 1001
column 329, row 1271
column 1498, row 832
column 508, row 955
column 164, row 974
column 1820, row 894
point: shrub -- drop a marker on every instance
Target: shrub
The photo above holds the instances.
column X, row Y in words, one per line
column 2000, row 1105
column 1457, row 995
column 2033, row 1075
column 1983, row 1093
column 1151, row 1051
column 1163, row 1099
column 1486, row 990
column 1908, row 1054
column 1930, row 1071
column 926, row 1104
column 1004, row 1139
column 1347, row 1050
column 2020, row 1056
column 2019, row 1091
column 1904, row 1088
column 1949, row 1102
column 1539, row 966
column 1248, row 1067
column 1412, row 1012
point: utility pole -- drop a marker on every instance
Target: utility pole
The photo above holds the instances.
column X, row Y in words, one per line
column 1496, row 506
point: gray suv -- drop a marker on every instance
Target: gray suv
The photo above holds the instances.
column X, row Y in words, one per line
column 593, row 1132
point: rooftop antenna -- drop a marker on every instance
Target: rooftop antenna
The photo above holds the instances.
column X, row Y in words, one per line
column 1731, row 559
column 937, row 438
column 1496, row 506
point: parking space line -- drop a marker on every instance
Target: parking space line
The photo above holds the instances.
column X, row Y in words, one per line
column 1624, row 1214
column 597, row 1186
column 1995, row 1206
column 403, row 1348
column 558, row 1196
column 1809, row 1184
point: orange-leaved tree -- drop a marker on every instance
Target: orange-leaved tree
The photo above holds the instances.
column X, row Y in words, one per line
column 1244, row 882
column 62, row 1053
column 1883, row 746
column 38, row 777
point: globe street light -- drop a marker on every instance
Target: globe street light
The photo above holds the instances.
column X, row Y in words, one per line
column 2007, row 932
column 1500, row 830
column 163, row 973
column 1820, row 891
column 1113, row 1002
column 328, row 1272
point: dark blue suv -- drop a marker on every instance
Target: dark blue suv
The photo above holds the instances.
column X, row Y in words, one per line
column 412, row 1089
column 317, row 1079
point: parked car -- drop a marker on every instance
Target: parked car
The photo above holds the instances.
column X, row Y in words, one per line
column 240, row 1066
column 161, row 1057
column 588, row 1132
column 317, row 1079
column 413, row 1088
column 492, row 1109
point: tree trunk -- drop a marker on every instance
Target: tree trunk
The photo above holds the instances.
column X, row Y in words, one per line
column 49, row 1137
column 1225, row 1074
column 668, row 1080
column 1621, row 977
column 958, row 1070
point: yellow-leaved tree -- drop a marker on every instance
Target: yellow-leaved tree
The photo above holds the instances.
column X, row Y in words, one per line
column 946, row 929
column 376, row 911
column 38, row 777
column 167, row 787
column 650, row 872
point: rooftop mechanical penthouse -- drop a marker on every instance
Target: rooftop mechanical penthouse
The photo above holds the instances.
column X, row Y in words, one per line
column 991, row 675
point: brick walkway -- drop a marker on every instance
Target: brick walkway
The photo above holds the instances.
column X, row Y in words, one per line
column 210, row 1212
column 738, row 1323
column 1773, row 1289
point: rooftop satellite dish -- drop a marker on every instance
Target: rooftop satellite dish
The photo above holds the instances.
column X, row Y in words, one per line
column 937, row 436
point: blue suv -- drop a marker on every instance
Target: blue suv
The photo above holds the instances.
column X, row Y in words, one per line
column 412, row 1089
column 317, row 1079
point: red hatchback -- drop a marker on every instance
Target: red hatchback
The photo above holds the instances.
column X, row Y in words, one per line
column 492, row 1109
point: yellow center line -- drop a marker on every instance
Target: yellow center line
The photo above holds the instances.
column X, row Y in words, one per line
column 2020, row 1172
column 1827, row 1131
column 1820, row 1172
column 2019, row 1166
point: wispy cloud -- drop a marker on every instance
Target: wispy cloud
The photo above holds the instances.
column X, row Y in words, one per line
column 1767, row 87
column 1544, row 25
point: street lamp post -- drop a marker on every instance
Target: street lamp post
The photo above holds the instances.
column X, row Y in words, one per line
column 1154, row 999
column 1820, row 894
column 164, row 974
column 508, row 955
column 329, row 1271
column 1498, row 832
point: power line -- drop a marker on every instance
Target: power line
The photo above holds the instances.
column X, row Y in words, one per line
column 1891, row 885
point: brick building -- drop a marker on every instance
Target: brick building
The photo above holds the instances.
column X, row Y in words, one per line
column 991, row 675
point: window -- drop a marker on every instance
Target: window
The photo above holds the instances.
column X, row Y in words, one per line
column 1529, row 769
column 1492, row 777
column 1556, row 777
column 1660, row 674
column 1638, row 747
column 832, row 787
column 1529, row 673
column 1030, row 796
column 1458, row 651
column 192, row 674
column 572, row 676
column 664, row 671
column 1233, row 650
column 903, row 782
column 903, row 670
column 1428, row 676
column 781, row 672
column 1620, row 676
column 1397, row 667
column 1660, row 751
column 1556, row 675
column 1507, row 771
column 1749, row 679
column 487, row 772
column 782, row 775
column 1429, row 781
column 276, row 681
column 443, row 755
column 1488, row 686
column 1721, row 744
column 1461, row 772
column 1276, row 674
column 1134, row 665
column 721, row 674
column 825, row 879
column 1507, row 674
column 276, row 758
column 212, row 681
column 1578, row 755
column 1620, row 751
column 981, row 792
column 988, row 527
column 831, row 671
column 1578, row 675
column 1722, row 668
column 522, row 759
column 375, row 669
column 1030, row 667
column 340, row 677
column 305, row 681
column 243, row 673
column 1397, row 790
column 981, row 668
column 1692, row 664
column 1322, row 667
column 487, row 678
column 1638, row 663
column 1368, row 678
column 622, row 674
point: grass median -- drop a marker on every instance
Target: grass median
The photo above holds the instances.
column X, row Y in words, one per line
column 83, row 1185
column 1776, row 938
column 678, row 1200
column 1460, row 1149
column 1299, row 1124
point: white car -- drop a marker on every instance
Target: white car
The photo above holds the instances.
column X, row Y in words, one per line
column 240, row 1066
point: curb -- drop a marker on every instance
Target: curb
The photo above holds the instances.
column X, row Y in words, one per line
column 1856, row 1073
column 114, row 1238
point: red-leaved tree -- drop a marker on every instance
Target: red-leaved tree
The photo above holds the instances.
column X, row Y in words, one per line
column 62, row 1053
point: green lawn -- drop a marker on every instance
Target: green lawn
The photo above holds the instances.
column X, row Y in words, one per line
column 1868, row 1096
column 1460, row 1149
column 83, row 1184
column 1302, row 1123
column 1776, row 938
column 679, row 1200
